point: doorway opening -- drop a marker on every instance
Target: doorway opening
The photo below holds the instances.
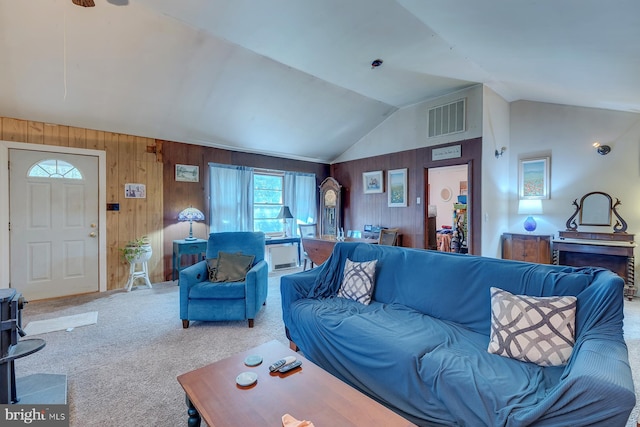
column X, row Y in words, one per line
column 448, row 208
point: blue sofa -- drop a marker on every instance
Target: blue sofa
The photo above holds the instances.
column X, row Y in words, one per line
column 420, row 347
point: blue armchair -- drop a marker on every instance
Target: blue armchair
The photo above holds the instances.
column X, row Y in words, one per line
column 201, row 299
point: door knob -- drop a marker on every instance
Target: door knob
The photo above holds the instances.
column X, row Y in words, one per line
column 92, row 234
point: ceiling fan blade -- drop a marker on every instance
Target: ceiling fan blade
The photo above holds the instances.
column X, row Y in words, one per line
column 84, row 3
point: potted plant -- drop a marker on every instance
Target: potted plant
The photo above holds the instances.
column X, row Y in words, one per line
column 138, row 250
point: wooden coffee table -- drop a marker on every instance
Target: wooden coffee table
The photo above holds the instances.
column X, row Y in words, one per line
column 308, row 393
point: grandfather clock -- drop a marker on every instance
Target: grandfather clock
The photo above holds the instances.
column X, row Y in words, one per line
column 330, row 207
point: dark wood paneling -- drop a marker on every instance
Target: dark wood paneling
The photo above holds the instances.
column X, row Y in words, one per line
column 361, row 209
column 179, row 195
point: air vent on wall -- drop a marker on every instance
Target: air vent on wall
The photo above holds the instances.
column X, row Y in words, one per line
column 447, row 119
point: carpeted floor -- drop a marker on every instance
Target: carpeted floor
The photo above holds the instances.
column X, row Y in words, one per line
column 122, row 371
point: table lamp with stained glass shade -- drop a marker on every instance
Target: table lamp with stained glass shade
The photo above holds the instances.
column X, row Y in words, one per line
column 190, row 214
column 530, row 208
column 285, row 215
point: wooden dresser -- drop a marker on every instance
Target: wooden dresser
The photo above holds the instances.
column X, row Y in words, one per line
column 527, row 247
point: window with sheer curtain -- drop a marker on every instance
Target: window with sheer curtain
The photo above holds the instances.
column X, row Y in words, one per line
column 248, row 199
column 268, row 199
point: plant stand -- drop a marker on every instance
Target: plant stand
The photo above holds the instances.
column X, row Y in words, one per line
column 135, row 274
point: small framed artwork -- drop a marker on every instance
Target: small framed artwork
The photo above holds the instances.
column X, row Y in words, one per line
column 372, row 182
column 397, row 183
column 135, row 191
column 187, row 173
column 534, row 178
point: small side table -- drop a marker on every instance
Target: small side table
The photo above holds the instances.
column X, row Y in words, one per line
column 186, row 247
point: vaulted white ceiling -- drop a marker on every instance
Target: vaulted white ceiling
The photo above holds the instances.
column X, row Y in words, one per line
column 293, row 78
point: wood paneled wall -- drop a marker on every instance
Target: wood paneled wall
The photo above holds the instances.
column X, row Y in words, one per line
column 179, row 195
column 130, row 161
column 360, row 209
column 127, row 162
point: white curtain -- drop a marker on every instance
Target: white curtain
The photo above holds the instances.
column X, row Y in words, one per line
column 300, row 195
column 231, row 198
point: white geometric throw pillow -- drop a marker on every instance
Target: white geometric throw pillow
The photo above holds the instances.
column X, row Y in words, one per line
column 357, row 281
column 540, row 330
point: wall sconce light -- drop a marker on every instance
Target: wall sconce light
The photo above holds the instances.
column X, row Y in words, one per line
column 603, row 150
column 530, row 208
column 501, row 152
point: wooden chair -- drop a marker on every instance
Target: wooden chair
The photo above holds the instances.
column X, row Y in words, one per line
column 307, row 230
column 388, row 236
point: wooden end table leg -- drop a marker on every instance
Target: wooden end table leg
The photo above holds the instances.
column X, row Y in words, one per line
column 194, row 416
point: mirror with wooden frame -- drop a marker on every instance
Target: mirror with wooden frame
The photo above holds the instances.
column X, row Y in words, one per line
column 596, row 209
column 330, row 207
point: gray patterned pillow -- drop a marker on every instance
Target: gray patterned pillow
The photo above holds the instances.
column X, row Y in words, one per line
column 532, row 329
column 357, row 281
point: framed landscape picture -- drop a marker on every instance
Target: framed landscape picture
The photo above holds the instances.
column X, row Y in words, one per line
column 372, row 182
column 397, row 184
column 534, row 178
column 187, row 173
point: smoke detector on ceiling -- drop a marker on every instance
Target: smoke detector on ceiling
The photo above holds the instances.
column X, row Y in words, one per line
column 603, row 150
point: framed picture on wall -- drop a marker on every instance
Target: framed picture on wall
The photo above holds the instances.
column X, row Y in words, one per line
column 135, row 191
column 397, row 183
column 187, row 173
column 534, row 178
column 372, row 182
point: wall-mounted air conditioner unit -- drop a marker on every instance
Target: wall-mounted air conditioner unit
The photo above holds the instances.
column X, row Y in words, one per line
column 282, row 257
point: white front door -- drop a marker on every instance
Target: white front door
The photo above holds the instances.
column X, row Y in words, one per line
column 53, row 212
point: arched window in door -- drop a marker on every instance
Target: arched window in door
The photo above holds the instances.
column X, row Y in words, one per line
column 52, row 168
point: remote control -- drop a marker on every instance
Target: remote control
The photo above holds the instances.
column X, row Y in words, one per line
column 290, row 366
column 282, row 362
